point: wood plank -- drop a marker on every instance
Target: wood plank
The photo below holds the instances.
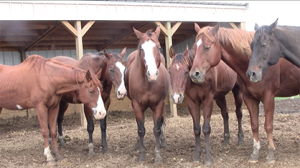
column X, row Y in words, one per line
column 233, row 26
column 168, row 44
column 175, row 27
column 87, row 27
column 242, row 26
column 70, row 28
column 41, row 37
column 162, row 28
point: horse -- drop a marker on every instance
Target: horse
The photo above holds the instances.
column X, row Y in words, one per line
column 113, row 68
column 233, row 47
column 147, row 83
column 40, row 83
column 218, row 82
column 271, row 43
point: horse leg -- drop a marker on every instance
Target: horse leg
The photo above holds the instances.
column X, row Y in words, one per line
column 207, row 110
column 103, row 129
column 163, row 143
column 42, row 113
column 238, row 97
column 90, row 128
column 52, row 118
column 269, row 113
column 158, row 119
column 194, row 109
column 140, row 119
column 63, row 106
column 252, row 105
column 221, row 102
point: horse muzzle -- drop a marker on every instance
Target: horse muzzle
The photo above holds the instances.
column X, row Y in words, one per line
column 121, row 93
column 152, row 76
column 197, row 76
column 177, row 98
column 254, row 76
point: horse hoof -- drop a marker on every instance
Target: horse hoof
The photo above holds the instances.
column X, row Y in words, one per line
column 158, row 160
column 58, row 157
column 253, row 158
column 91, row 153
column 196, row 160
column 163, row 145
column 51, row 163
column 241, row 143
column 62, row 144
column 105, row 151
column 270, row 161
column 142, row 159
column 207, row 162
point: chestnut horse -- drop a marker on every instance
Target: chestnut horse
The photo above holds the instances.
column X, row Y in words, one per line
column 233, row 47
column 147, row 83
column 217, row 82
column 271, row 43
column 40, row 83
column 113, row 68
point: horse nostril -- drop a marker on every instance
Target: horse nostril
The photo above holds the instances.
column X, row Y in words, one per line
column 119, row 93
column 197, row 74
column 253, row 74
column 156, row 72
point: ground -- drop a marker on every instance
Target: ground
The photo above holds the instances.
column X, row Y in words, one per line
column 21, row 142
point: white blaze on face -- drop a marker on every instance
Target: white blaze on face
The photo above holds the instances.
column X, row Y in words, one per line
column 121, row 89
column 99, row 111
column 149, row 57
column 19, row 107
column 199, row 42
column 177, row 66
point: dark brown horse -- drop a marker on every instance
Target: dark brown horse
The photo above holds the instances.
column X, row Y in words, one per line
column 113, row 68
column 217, row 82
column 147, row 83
column 233, row 47
column 271, row 43
column 39, row 83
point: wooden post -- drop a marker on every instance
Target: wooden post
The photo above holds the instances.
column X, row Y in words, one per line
column 79, row 33
column 168, row 32
column 242, row 26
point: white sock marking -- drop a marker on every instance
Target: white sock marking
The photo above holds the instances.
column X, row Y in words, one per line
column 149, row 57
column 256, row 145
column 100, row 108
column 19, row 107
column 199, row 42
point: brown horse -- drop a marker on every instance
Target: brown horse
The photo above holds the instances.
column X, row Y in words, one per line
column 218, row 81
column 147, row 83
column 39, row 83
column 113, row 68
column 233, row 47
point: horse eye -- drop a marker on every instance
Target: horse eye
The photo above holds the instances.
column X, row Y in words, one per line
column 264, row 44
column 207, row 47
column 90, row 91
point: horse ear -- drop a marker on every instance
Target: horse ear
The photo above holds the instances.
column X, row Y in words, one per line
column 186, row 52
column 273, row 25
column 256, row 26
column 107, row 55
column 99, row 73
column 197, row 28
column 123, row 52
column 88, row 75
column 215, row 29
column 172, row 52
column 138, row 33
column 157, row 31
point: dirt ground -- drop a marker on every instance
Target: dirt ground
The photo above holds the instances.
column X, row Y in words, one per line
column 21, row 142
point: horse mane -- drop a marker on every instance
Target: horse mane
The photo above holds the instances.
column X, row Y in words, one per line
column 237, row 39
column 180, row 58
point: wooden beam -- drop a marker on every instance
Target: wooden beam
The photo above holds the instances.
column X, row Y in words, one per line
column 175, row 27
column 87, row 27
column 79, row 54
column 41, row 37
column 125, row 34
column 168, row 44
column 242, row 26
column 70, row 27
column 233, row 26
column 162, row 28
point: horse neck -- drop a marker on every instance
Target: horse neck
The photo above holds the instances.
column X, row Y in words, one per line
column 65, row 79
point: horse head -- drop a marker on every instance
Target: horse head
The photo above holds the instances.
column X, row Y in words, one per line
column 116, row 70
column 149, row 52
column 265, row 51
column 179, row 73
column 90, row 93
column 207, row 52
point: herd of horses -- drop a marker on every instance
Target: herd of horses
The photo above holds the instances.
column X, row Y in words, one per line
column 255, row 66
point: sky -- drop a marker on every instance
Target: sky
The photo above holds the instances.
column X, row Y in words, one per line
column 266, row 12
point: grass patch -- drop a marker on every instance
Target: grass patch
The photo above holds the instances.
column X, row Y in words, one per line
column 282, row 98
